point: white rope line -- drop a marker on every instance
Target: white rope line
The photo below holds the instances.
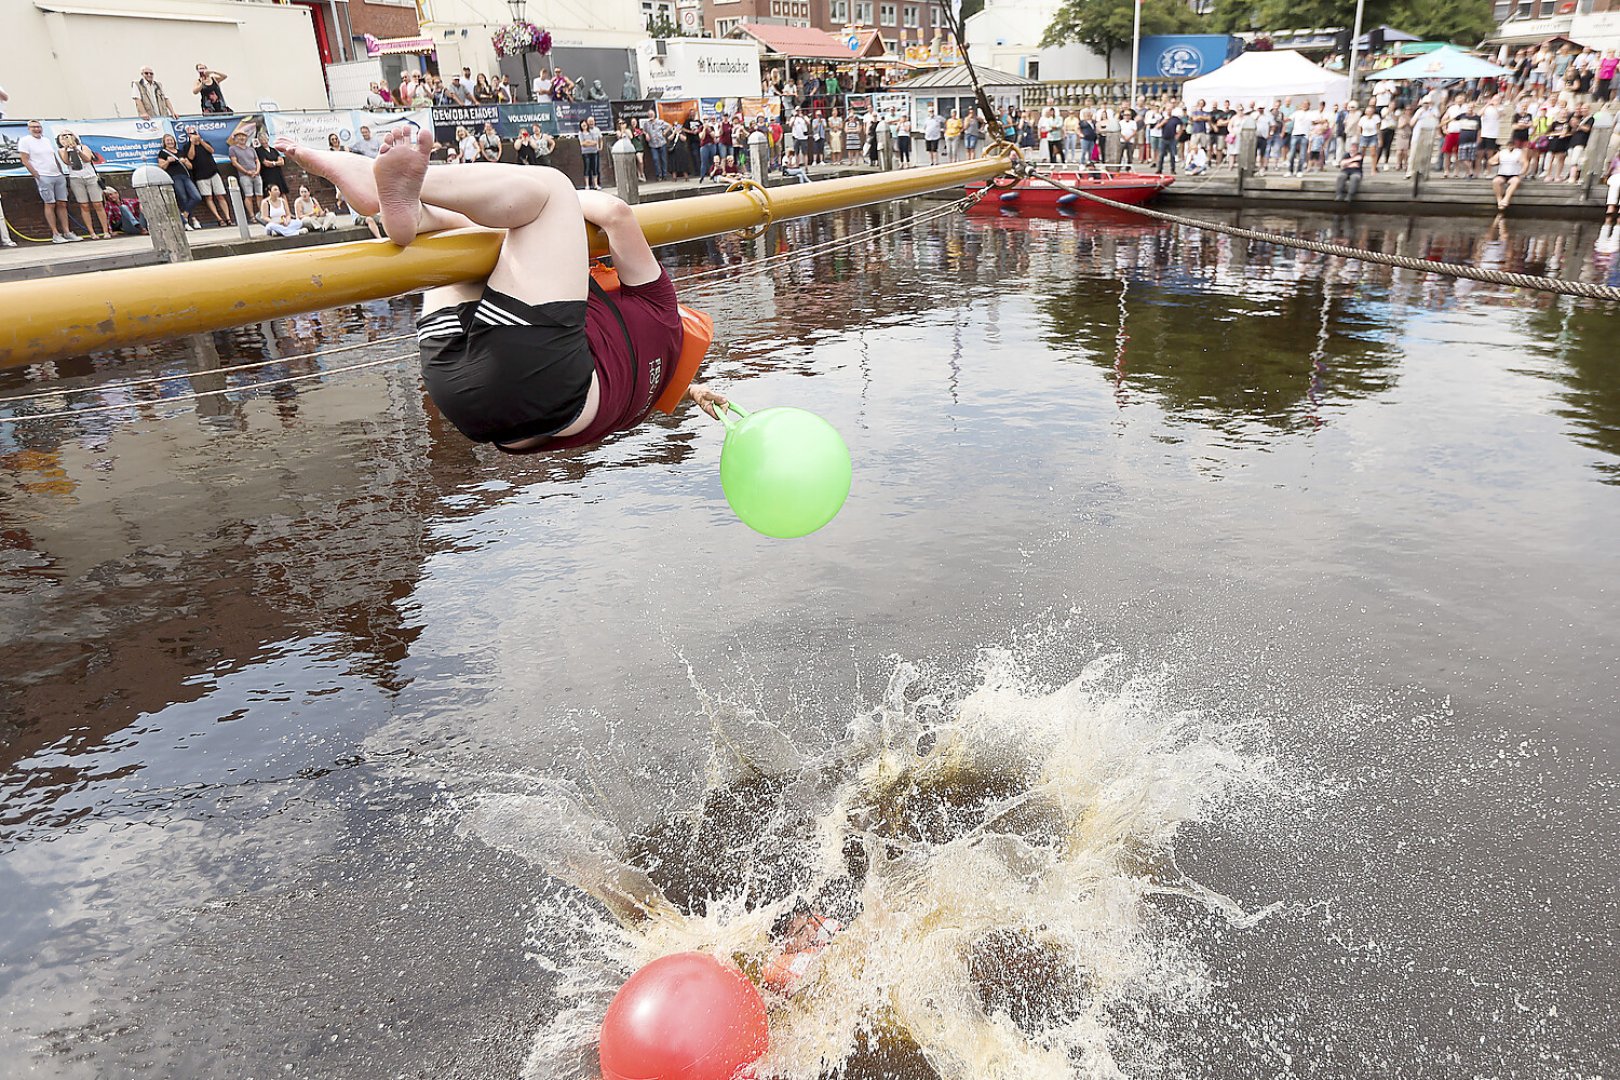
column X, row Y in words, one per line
column 248, row 388
column 157, row 379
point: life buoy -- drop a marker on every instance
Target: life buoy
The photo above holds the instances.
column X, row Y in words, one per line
column 697, row 334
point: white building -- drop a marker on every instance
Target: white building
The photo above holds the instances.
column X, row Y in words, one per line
column 78, row 60
column 699, row 67
column 1006, row 35
column 461, row 29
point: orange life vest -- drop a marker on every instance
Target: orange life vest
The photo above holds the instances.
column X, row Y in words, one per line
column 698, row 333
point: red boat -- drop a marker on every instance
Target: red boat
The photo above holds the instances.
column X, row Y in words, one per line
column 1132, row 188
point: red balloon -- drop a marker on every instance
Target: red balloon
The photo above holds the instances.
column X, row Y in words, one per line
column 683, row 1017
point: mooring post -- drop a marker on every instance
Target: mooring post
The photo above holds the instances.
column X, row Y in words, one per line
column 759, row 157
column 1248, row 142
column 885, row 147
column 1600, row 147
column 624, row 173
column 238, row 207
column 1421, row 163
column 162, row 210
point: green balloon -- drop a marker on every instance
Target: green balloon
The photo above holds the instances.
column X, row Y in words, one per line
column 786, row 472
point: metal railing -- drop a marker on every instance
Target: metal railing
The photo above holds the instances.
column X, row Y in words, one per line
column 1072, row 92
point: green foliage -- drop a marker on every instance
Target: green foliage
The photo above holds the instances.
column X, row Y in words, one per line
column 1461, row 21
column 1105, row 25
column 662, row 26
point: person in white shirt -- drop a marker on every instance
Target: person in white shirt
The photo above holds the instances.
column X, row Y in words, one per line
column 39, row 158
column 1262, row 139
column 933, row 132
column 1299, row 143
column 1128, row 128
column 1490, row 127
column 468, row 146
column 1509, row 174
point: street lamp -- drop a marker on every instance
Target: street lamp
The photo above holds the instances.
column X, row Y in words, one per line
column 516, row 8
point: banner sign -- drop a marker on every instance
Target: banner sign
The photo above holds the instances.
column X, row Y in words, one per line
column 679, row 111
column 124, row 144
column 632, row 110
column 711, row 108
column 891, row 104
column 570, row 114
column 1182, row 56
column 538, row 116
column 446, row 118
column 380, row 122
column 311, row 128
column 858, row 104
column 215, row 131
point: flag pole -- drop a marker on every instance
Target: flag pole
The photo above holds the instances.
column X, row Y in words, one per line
column 1136, row 51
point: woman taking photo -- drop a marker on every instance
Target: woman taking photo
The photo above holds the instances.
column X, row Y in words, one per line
column 79, row 163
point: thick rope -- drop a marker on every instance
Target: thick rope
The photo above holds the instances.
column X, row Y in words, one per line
column 1564, row 286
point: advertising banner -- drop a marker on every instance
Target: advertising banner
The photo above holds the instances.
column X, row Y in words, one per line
column 679, row 111
column 859, row 104
column 380, row 122
column 757, row 106
column 711, row 108
column 891, row 104
column 570, row 114
column 632, row 110
column 311, row 128
column 1182, row 56
column 124, row 144
column 538, row 116
column 10, row 159
column 446, row 118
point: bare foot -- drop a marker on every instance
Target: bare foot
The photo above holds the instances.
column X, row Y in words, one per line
column 349, row 173
column 401, row 164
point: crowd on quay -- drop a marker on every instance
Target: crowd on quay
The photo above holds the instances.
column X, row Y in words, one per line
column 1533, row 124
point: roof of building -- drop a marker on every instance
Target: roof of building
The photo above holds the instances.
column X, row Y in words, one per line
column 798, row 41
column 956, row 77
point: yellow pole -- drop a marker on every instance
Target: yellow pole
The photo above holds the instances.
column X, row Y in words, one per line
column 54, row 318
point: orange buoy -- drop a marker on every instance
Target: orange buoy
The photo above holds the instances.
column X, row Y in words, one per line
column 683, row 1017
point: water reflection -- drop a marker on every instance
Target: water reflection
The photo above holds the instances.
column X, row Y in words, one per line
column 200, row 594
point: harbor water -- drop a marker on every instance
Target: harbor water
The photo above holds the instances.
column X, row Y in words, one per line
column 1212, row 674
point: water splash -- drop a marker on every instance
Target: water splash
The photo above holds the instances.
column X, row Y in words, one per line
column 1000, row 860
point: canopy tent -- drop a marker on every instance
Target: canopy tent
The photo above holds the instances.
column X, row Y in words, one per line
column 1447, row 63
column 1266, row 78
column 1388, row 34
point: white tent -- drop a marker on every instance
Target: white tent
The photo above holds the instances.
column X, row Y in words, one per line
column 1268, row 77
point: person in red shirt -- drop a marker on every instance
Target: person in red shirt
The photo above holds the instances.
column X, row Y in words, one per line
column 537, row 357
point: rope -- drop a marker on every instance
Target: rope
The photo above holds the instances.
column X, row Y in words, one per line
column 769, row 262
column 156, row 380
column 1564, row 286
column 121, row 406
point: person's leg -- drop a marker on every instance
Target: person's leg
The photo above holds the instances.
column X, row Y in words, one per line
column 544, row 257
column 1512, row 186
column 1355, row 187
column 633, row 257
column 1498, row 185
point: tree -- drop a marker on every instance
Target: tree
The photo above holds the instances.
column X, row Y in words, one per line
column 660, row 26
column 1105, row 25
column 1463, row 21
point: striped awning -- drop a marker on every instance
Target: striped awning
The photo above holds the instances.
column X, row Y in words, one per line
column 391, row 46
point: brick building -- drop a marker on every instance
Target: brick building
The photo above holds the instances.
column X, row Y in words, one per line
column 898, row 22
column 383, row 18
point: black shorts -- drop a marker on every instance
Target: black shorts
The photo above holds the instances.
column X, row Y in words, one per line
column 933, row 145
column 1487, row 147
column 502, row 371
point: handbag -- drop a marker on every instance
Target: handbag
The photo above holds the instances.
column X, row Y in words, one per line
column 1542, row 143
